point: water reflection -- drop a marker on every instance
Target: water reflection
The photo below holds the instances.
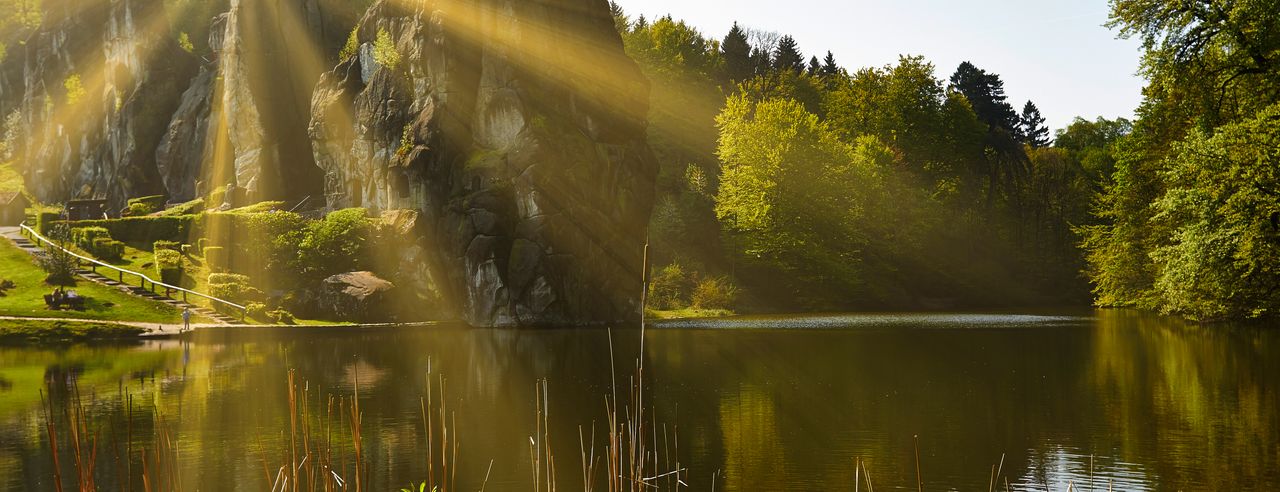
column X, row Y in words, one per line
column 1135, row 401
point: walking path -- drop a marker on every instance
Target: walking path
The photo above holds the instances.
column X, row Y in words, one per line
column 14, row 234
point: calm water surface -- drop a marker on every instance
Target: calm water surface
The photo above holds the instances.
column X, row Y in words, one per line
column 770, row 403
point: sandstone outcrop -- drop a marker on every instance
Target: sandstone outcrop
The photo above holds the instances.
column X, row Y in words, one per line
column 504, row 139
column 517, row 130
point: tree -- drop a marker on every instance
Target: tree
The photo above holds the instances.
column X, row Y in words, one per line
column 1006, row 162
column 787, row 56
column 791, row 192
column 736, row 52
column 829, row 67
column 620, row 20
column 985, row 92
column 1208, row 62
column 814, row 67
column 1221, row 258
column 1031, row 126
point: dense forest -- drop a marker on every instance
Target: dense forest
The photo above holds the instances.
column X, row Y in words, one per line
column 820, row 187
column 812, row 186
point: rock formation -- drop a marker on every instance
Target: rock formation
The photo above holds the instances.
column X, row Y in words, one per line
column 100, row 80
column 505, row 139
column 518, row 130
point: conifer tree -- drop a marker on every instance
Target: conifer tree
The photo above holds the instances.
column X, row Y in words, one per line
column 736, row 51
column 829, row 67
column 787, row 56
column 815, row 68
column 1032, row 129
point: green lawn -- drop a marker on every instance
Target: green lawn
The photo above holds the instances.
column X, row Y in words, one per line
column 22, row 331
column 104, row 303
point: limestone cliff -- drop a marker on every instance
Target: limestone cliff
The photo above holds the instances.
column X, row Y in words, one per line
column 516, row 129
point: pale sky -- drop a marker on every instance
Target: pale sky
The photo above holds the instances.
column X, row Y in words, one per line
column 1055, row 53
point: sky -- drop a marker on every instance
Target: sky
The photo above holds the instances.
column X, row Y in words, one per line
column 1055, row 53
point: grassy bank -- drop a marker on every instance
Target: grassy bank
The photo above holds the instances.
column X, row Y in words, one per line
column 27, row 331
column 687, row 313
column 102, row 303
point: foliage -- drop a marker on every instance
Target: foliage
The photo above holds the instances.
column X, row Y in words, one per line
column 234, row 288
column 1183, row 220
column 674, row 47
column 352, row 46
column 188, row 208
column 184, row 42
column 107, row 249
column 785, row 191
column 670, row 288
column 137, row 207
column 163, row 245
column 12, row 134
column 75, row 89
column 215, row 258
column 385, row 52
column 787, row 56
column 715, row 293
column 168, row 265
column 144, row 231
column 1031, row 127
column 335, row 244
column 1222, row 257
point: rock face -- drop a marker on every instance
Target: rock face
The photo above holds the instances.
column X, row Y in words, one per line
column 359, row 296
column 517, row 131
column 100, row 80
column 504, row 139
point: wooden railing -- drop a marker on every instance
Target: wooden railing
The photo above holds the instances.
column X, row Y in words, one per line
column 144, row 280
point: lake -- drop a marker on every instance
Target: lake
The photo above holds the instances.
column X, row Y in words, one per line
column 1040, row 400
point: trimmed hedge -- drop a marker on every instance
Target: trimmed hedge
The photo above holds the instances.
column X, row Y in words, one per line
column 144, row 205
column 107, row 249
column 234, row 288
column 145, row 230
column 169, row 245
column 215, row 257
column 46, row 219
column 84, row 236
column 169, row 266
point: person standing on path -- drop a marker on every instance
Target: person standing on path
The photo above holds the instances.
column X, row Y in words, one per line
column 186, row 319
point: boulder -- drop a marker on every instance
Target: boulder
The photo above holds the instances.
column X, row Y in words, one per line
column 356, row 296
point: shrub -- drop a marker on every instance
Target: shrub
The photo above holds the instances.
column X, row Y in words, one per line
column 169, row 266
column 384, row 50
column 45, row 220
column 669, row 288
column 715, row 293
column 215, row 257
column 144, row 230
column 107, row 249
column 84, row 236
column 147, row 204
column 234, row 288
column 189, row 208
column 228, row 278
column 335, row 244
column 257, row 310
column 352, row 44
column 163, row 245
column 281, row 316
